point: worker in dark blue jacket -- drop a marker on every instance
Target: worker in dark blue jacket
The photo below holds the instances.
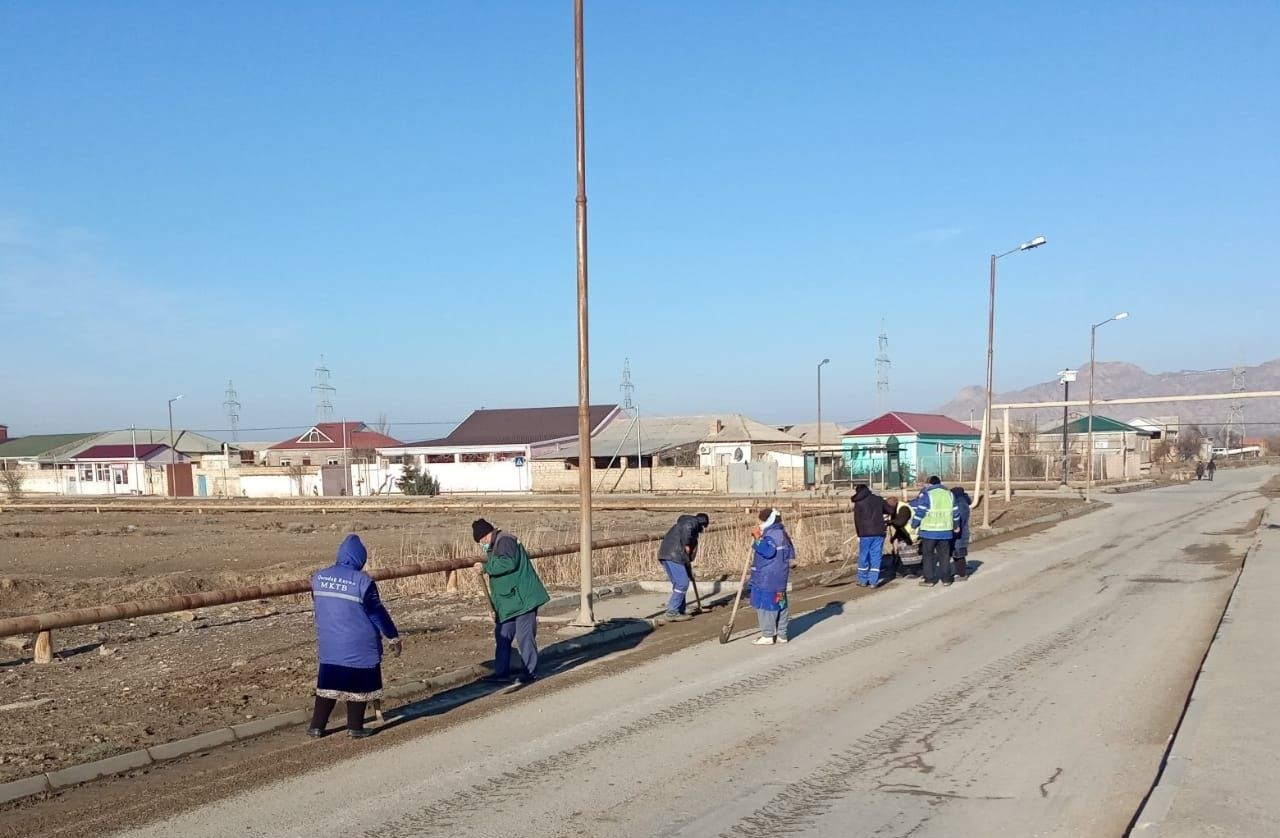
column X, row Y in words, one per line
column 678, row 550
column 350, row 624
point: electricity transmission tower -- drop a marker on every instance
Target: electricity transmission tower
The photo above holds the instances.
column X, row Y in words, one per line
column 324, row 393
column 1235, row 410
column 627, row 387
column 232, row 407
column 882, row 372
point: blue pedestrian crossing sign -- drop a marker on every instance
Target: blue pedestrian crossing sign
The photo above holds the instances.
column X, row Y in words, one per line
column 519, row 462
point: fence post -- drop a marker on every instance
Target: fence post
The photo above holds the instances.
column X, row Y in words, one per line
column 1008, row 467
column 451, row 582
column 44, row 647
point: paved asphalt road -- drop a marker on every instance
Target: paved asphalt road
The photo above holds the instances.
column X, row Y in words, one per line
column 1035, row 699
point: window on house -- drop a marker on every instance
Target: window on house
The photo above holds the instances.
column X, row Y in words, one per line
column 119, row 476
column 103, row 472
column 473, row 457
column 306, row 461
column 504, row 456
column 313, row 435
column 332, row 461
column 285, row 461
column 86, row 473
column 436, row 459
column 246, row 458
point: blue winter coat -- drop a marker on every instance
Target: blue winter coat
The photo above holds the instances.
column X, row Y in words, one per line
column 771, row 569
column 349, row 613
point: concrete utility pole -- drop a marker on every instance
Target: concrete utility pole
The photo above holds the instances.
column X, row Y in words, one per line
column 1093, row 360
column 991, row 340
column 1066, row 377
column 586, row 617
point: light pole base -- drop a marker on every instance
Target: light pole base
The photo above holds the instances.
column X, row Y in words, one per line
column 586, row 619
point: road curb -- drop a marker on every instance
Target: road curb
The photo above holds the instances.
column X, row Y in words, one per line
column 133, row 760
column 25, row 787
column 78, row 774
column 192, row 744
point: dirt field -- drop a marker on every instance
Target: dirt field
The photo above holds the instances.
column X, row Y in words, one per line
column 128, row 684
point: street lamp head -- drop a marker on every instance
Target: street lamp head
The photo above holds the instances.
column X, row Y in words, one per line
column 825, row 361
column 176, row 398
column 1036, row 242
column 1121, row 316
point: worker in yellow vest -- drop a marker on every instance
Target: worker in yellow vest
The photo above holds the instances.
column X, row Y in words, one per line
column 937, row 517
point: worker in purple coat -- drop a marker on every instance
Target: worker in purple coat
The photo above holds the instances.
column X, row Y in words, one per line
column 770, row 572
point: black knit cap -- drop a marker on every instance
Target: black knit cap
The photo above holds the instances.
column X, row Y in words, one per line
column 703, row 519
column 480, row 528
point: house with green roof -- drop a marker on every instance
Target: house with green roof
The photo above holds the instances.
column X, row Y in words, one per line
column 40, row 449
column 1120, row 451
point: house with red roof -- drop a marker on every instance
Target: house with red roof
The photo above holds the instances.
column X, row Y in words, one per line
column 329, row 444
column 902, row 449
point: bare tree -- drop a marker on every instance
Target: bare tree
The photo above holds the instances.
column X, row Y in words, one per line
column 12, row 480
column 296, row 474
column 1190, row 440
column 381, row 424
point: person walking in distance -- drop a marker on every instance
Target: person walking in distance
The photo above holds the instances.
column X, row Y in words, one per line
column 869, row 522
column 1199, row 470
column 350, row 624
column 1211, row 468
column 960, row 540
column 770, row 572
column 516, row 593
column 936, row 516
column 678, row 550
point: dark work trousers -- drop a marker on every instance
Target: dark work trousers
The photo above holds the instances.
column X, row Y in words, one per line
column 937, row 559
column 524, row 631
column 324, row 707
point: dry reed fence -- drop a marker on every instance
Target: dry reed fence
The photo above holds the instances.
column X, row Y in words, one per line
column 720, row 555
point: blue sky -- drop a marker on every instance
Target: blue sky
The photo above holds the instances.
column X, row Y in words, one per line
column 197, row 192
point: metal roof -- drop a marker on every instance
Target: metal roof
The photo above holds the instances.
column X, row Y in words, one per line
column 40, row 445
column 120, row 452
column 808, row 432
column 189, row 442
column 520, row 426
column 655, row 434
column 338, row 435
column 926, row 424
column 1101, row 425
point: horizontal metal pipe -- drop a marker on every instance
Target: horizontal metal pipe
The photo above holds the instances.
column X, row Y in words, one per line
column 34, row 623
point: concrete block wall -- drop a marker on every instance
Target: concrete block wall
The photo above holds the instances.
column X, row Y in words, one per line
column 551, row 476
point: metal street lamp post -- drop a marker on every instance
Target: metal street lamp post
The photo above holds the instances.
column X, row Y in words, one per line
column 173, row 447
column 1093, row 358
column 817, row 460
column 1066, row 377
column 991, row 339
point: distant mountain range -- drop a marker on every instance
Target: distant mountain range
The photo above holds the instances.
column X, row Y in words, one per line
column 1123, row 380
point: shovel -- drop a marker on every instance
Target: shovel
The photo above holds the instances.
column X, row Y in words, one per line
column 697, row 597
column 742, row 583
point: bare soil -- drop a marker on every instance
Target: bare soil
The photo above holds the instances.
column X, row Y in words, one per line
column 123, row 685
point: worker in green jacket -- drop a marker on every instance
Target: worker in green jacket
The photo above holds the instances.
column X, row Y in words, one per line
column 516, row 593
